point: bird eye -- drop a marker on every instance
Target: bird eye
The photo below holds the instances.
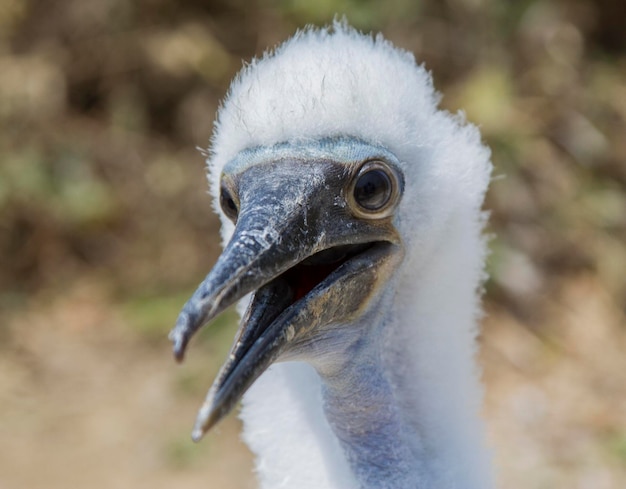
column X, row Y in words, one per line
column 374, row 189
column 228, row 204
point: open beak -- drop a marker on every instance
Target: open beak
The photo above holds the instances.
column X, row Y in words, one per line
column 306, row 258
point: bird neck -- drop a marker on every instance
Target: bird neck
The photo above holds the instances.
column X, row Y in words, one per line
column 380, row 447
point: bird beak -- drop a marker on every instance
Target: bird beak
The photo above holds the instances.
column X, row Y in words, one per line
column 309, row 262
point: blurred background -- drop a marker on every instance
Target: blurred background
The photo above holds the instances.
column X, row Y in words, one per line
column 106, row 227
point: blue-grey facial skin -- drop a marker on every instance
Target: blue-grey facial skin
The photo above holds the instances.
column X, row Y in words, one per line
column 293, row 204
column 346, row 151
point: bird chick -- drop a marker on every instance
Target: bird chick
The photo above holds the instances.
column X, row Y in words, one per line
column 351, row 213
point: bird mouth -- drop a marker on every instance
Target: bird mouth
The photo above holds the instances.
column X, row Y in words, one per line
column 328, row 286
column 313, row 271
column 286, row 296
column 288, row 293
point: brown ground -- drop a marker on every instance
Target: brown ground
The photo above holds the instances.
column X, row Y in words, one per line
column 105, row 228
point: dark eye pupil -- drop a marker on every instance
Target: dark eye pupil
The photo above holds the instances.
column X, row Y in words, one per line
column 228, row 204
column 372, row 190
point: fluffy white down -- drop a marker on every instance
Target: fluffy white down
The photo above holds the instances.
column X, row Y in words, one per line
column 335, row 81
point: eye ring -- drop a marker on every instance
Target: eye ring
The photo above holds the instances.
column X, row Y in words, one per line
column 228, row 203
column 375, row 190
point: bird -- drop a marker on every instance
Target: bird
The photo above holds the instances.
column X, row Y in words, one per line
column 353, row 232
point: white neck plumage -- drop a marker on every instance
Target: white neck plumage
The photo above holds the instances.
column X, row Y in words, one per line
column 401, row 409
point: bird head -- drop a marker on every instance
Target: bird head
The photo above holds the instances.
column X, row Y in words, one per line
column 322, row 165
column 314, row 242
